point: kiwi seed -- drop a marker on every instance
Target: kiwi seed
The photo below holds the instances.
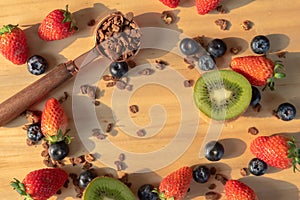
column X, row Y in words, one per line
column 107, row 188
column 222, row 94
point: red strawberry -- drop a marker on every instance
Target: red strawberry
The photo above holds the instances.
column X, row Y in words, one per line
column 259, row 70
column 236, row 190
column 205, row 6
column 41, row 184
column 170, row 3
column 54, row 121
column 13, row 44
column 57, row 25
column 176, row 184
column 277, row 151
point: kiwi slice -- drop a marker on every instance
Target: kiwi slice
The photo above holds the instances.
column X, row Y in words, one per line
column 222, row 94
column 107, row 188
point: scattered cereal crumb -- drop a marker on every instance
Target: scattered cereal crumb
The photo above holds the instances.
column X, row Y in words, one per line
column 213, row 170
column 168, row 17
column 30, row 143
column 129, row 87
column 222, row 23
column 235, row 50
column 109, row 127
column 134, row 108
column 111, row 84
column 89, row 157
column 212, row 186
column 146, row 71
column 188, row 83
column 212, row 196
column 96, row 102
column 221, row 9
column 33, row 116
column 253, row 130
column 246, row 25
column 222, row 178
column 44, row 153
column 120, row 84
column 92, row 22
column 200, row 40
column 63, row 98
column 78, row 160
column 244, row 171
column 141, row 133
column 131, row 64
column 107, row 77
column 87, row 165
column 190, row 66
column 122, row 157
column 160, row 64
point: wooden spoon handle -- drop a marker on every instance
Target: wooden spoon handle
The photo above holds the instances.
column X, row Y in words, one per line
column 18, row 103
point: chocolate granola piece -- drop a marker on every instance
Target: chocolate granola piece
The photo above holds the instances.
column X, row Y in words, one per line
column 120, row 84
column 45, row 153
column 234, row 50
column 222, row 23
column 222, row 178
column 212, row 196
column 188, row 83
column 146, row 71
column 63, row 98
column 33, row 116
column 111, row 84
column 89, row 157
column 246, row 25
column 141, row 133
column 253, row 130
column 92, row 22
column 87, row 165
column 245, row 171
column 213, row 170
column 161, row 64
column 134, row 108
column 212, row 186
column 122, row 157
column 79, row 159
column 109, row 127
column 168, row 17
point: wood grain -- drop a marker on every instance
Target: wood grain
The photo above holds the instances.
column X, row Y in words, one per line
column 276, row 19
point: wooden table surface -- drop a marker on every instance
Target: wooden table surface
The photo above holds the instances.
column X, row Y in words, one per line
column 276, row 19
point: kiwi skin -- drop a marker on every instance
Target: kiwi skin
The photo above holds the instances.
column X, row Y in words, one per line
column 230, row 80
column 102, row 188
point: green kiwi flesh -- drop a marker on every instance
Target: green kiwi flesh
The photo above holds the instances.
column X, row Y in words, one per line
column 107, row 188
column 222, row 94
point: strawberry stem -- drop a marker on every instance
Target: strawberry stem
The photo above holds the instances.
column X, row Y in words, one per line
column 20, row 188
column 68, row 18
column 294, row 154
column 276, row 75
column 8, row 28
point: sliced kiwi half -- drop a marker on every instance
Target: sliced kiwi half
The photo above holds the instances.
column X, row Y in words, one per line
column 107, row 188
column 222, row 94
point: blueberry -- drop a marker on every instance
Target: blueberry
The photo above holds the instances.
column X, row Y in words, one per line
column 206, row 62
column 118, row 69
column 260, row 44
column 37, row 64
column 286, row 111
column 201, row 174
column 34, row 132
column 216, row 48
column 145, row 192
column 188, row 46
column 213, row 151
column 256, row 96
column 86, row 177
column 257, row 167
column 58, row 150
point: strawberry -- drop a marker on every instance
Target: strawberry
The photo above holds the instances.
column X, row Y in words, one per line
column 57, row 25
column 13, row 44
column 259, row 70
column 176, row 184
column 277, row 151
column 54, row 121
column 236, row 190
column 170, row 3
column 40, row 184
column 205, row 6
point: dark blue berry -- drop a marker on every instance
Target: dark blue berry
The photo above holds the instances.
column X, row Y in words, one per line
column 216, row 48
column 286, row 111
column 58, row 150
column 260, row 44
column 201, row 174
column 145, row 192
column 37, row 65
column 118, row 69
column 256, row 96
column 257, row 167
column 213, row 151
column 34, row 132
column 86, row 177
column 188, row 46
column 206, row 62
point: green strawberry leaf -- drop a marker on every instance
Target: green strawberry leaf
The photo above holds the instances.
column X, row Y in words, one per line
column 279, row 75
column 8, row 28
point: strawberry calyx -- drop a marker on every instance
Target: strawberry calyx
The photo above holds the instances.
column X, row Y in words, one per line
column 8, row 28
column 20, row 188
column 294, row 154
column 277, row 74
column 161, row 195
column 59, row 137
column 68, row 18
